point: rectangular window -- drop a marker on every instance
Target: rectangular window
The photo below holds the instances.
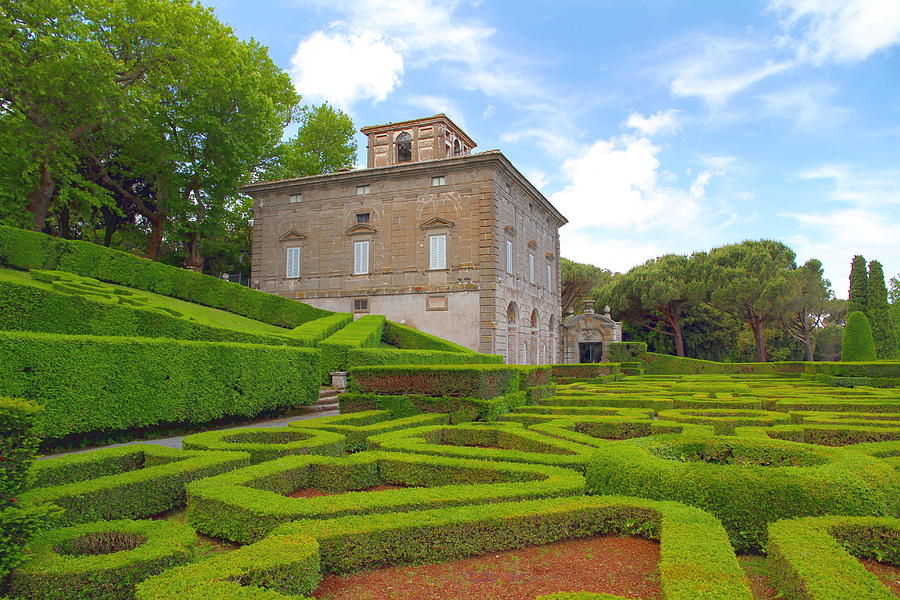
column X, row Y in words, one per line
column 362, row 217
column 531, row 268
column 295, row 198
column 292, row 266
column 436, row 181
column 360, row 305
column 362, row 190
column 549, row 278
column 437, row 252
column 360, row 258
column 436, row 303
column 509, row 256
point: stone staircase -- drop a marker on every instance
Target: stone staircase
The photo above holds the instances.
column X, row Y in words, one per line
column 328, row 401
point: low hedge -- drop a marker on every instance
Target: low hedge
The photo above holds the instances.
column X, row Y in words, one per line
column 268, row 443
column 23, row 249
column 365, row 332
column 409, row 338
column 584, row 370
column 527, row 416
column 464, row 381
column 246, row 505
column 699, row 402
column 846, row 418
column 626, row 351
column 100, row 561
column 459, row 410
column 89, row 383
column 663, row 364
column 132, row 481
column 850, row 404
column 506, row 442
column 724, row 420
column 884, row 368
column 356, row 427
column 834, row 435
column 276, row 568
column 359, row 357
column 313, row 332
column 816, row 558
column 710, row 389
column 695, row 558
column 597, row 431
column 746, row 483
column 610, row 401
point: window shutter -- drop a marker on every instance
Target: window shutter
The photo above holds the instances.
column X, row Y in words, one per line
column 531, row 268
column 437, row 252
column 509, row 256
column 360, row 258
column 549, row 278
column 292, row 263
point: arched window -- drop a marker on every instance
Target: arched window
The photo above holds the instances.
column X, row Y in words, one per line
column 535, row 319
column 404, row 147
column 457, row 148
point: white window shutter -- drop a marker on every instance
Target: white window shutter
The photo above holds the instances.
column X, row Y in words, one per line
column 360, row 258
column 292, row 263
column 509, row 257
column 437, row 252
column 531, row 268
column 549, row 278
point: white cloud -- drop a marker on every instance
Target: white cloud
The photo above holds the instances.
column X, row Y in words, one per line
column 843, row 31
column 488, row 111
column 439, row 104
column 343, row 68
column 806, row 106
column 664, row 121
column 595, row 248
column 537, row 177
column 861, row 187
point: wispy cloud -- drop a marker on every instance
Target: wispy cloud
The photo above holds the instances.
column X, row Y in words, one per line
column 664, row 121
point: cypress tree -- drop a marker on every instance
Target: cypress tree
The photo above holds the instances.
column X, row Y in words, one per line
column 878, row 312
column 858, row 285
column 857, row 344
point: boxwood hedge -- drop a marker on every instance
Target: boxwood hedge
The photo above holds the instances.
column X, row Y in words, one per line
column 359, row 357
column 365, row 332
column 724, row 420
column 409, row 338
column 467, row 381
column 267, row 443
column 835, row 434
column 357, row 427
column 459, row 410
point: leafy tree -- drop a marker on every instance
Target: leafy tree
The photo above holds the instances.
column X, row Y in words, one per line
column 578, row 280
column 858, row 343
column 748, row 281
column 859, row 283
column 879, row 312
column 807, row 304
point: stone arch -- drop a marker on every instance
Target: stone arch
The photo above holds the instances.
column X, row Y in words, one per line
column 534, row 356
column 551, row 339
column 512, row 322
column 404, row 147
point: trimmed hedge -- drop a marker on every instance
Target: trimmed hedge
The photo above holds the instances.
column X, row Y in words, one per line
column 267, row 443
column 246, row 505
column 18, row 445
column 857, row 343
column 100, row 561
column 834, row 435
column 408, row 338
column 365, row 332
column 28, row 250
column 506, row 442
column 460, row 410
column 815, row 558
column 710, row 389
column 276, row 568
column 313, row 332
column 356, row 427
column 584, row 370
column 465, row 381
column 746, row 482
column 359, row 357
column 132, row 481
column 527, row 416
column 598, row 431
column 885, row 368
column 626, row 351
column 724, row 420
column 851, row 404
column 89, row 383
column 610, row 401
column 663, row 364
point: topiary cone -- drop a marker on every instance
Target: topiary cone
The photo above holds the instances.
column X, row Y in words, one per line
column 858, row 343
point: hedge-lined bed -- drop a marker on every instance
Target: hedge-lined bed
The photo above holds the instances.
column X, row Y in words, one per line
column 92, row 383
column 746, row 482
column 100, row 561
column 465, row 381
column 23, row 249
column 357, row 427
column 506, row 442
column 835, row 434
column 313, row 332
column 247, row 504
column 360, row 357
column 598, row 431
column 526, row 416
column 133, row 481
column 268, row 443
column 365, row 332
column 724, row 420
column 815, row 558
column 459, row 410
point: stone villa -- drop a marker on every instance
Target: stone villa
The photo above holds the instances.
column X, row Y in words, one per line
column 452, row 242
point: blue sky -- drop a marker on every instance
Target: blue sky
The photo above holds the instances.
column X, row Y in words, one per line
column 655, row 126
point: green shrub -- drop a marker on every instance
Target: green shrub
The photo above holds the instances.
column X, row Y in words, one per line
column 529, row 415
column 857, row 404
column 18, row 444
column 24, row 249
column 267, row 443
column 358, row 426
column 313, row 332
column 358, row 357
column 100, row 561
column 834, row 434
column 134, row 481
column 584, row 370
column 598, row 431
column 746, row 483
column 408, row 338
column 857, row 343
column 246, row 505
column 626, row 351
column 459, row 410
column 878, row 369
column 468, row 381
column 89, row 383
column 815, row 558
column 663, row 364
column 364, row 332
column 276, row 568
column 724, row 420
column 710, row 389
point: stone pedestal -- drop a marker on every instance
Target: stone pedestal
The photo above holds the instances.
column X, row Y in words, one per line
column 339, row 380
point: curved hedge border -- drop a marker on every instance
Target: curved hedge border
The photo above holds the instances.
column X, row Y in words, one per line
column 361, row 333
column 846, row 418
column 834, row 435
column 460, row 410
column 313, row 332
column 527, row 417
column 56, row 570
column 505, row 442
column 744, row 496
column 125, row 482
column 724, row 420
column 813, row 558
column 276, row 568
column 25, row 249
column 267, row 443
column 358, row 426
column 848, row 404
column 246, row 505
column 597, row 431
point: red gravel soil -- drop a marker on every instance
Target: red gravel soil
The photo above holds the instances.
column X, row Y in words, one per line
column 314, row 493
column 625, row 566
column 888, row 574
column 755, row 567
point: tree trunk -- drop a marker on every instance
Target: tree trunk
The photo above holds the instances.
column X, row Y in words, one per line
column 40, row 197
column 756, row 324
column 193, row 260
column 156, row 234
column 110, row 222
column 62, row 223
column 677, row 335
column 808, row 343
